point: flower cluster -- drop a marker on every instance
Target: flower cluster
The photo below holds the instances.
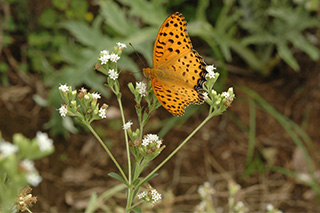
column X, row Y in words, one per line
column 127, row 125
column 150, row 139
column 108, row 61
column 83, row 104
column 220, row 102
column 211, row 73
column 7, row 149
column 44, row 142
column 21, row 152
column 150, row 195
column 142, row 88
column 32, row 175
column 206, row 190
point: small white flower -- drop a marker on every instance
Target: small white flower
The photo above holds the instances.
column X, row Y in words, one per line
column 240, row 207
column 86, row 97
column 151, row 138
column 142, row 195
column 113, row 74
column 201, row 207
column 155, row 196
column 64, row 88
column 210, row 69
column 121, row 46
column 102, row 113
column 7, row 149
column 205, row 96
column 127, row 125
column 230, row 90
column 226, row 95
column 44, row 142
column 63, row 111
column 96, row 95
column 33, row 178
column 104, row 56
column 114, row 58
column 142, row 88
column 74, row 92
column 28, row 165
column 104, row 52
column 213, row 92
column 206, row 190
column 270, row 207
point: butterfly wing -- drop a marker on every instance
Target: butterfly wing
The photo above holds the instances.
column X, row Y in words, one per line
column 175, row 98
column 172, row 40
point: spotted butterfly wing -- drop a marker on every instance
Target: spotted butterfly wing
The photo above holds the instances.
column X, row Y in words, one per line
column 178, row 70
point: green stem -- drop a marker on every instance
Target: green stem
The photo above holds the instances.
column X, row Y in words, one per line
column 211, row 114
column 130, row 191
column 108, row 151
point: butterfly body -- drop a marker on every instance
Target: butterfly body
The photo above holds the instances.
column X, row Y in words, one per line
column 178, row 70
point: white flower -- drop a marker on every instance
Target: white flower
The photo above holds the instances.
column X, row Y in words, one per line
column 7, row 149
column 142, row 88
column 210, row 69
column 74, row 92
column 102, row 113
column 142, row 195
column 205, row 96
column 86, row 97
column 206, row 190
column 114, row 58
column 127, row 125
column 96, row 95
column 240, row 207
column 151, row 138
column 63, row 111
column 226, row 95
column 213, row 92
column 113, row 74
column 201, row 207
column 155, row 196
column 33, row 178
column 104, row 56
column 44, row 142
column 64, row 88
column 121, row 46
column 270, row 207
column 28, row 165
column 230, row 90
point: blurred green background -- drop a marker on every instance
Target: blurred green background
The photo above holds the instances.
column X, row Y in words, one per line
column 267, row 142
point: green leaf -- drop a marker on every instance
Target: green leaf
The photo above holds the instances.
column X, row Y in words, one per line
column 92, row 203
column 137, row 210
column 118, row 177
column 286, row 55
column 116, row 18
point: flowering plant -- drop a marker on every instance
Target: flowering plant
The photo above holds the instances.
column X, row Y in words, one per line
column 143, row 148
column 17, row 169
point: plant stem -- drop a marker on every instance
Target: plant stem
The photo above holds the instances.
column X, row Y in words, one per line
column 108, row 151
column 211, row 114
column 130, row 192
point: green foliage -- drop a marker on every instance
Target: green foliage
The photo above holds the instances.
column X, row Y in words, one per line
column 273, row 31
column 277, row 26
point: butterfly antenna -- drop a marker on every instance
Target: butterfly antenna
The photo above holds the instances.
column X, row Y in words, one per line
column 144, row 65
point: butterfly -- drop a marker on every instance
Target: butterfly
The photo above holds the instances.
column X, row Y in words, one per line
column 178, row 71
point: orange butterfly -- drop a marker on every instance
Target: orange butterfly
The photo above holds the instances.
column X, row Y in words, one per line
column 178, row 71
